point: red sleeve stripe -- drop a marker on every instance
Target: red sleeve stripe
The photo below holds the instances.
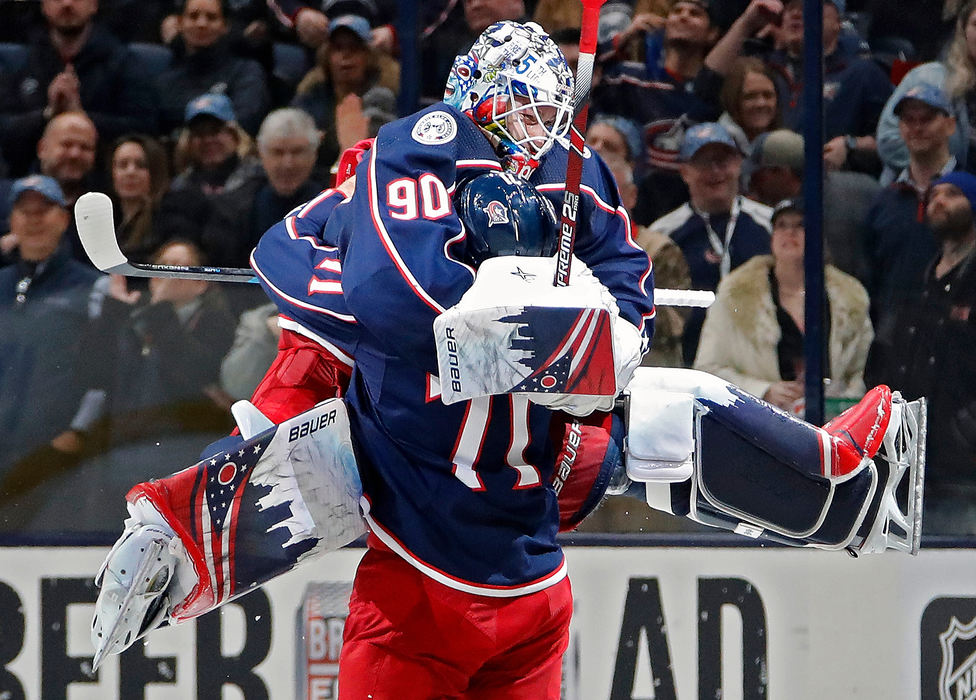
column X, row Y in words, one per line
column 294, row 326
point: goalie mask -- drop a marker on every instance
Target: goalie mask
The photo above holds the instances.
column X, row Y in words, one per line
column 515, row 84
column 504, row 215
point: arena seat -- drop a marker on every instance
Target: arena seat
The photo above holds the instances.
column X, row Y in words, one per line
column 13, row 57
column 290, row 63
column 154, row 57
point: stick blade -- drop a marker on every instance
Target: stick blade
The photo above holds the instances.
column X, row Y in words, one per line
column 96, row 229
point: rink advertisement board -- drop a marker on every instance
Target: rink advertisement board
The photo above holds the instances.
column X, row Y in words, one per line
column 679, row 623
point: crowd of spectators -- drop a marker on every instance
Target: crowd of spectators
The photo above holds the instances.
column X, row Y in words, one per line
column 206, row 121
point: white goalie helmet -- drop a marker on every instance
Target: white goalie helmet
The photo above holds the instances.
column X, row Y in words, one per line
column 515, row 83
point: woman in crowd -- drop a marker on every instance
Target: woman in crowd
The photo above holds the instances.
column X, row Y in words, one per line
column 203, row 62
column 140, row 176
column 956, row 76
column 749, row 99
column 753, row 333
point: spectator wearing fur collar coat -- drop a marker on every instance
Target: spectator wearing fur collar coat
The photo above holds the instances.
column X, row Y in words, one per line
column 753, row 333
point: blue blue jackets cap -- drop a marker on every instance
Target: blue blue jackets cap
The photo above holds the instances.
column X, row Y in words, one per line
column 356, row 24
column 927, row 94
column 966, row 182
column 703, row 134
column 211, row 104
column 46, row 186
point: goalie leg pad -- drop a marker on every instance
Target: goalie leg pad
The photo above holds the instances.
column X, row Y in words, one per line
column 746, row 468
column 760, row 471
column 245, row 517
column 741, row 479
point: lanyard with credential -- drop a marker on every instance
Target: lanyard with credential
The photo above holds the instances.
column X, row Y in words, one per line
column 722, row 248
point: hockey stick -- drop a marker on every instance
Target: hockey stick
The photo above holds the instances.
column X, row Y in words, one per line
column 574, row 164
column 96, row 229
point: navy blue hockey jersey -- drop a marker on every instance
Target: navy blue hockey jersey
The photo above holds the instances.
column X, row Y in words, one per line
column 460, row 491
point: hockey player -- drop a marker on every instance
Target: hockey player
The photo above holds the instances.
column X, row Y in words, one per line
column 462, row 524
column 457, row 497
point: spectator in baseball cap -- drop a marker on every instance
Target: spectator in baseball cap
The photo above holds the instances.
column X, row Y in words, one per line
column 348, row 92
column 41, row 195
column 896, row 239
column 44, row 311
column 212, row 147
column 213, row 156
column 926, row 94
column 717, row 229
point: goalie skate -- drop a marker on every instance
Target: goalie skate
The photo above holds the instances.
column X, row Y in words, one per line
column 900, row 462
column 134, row 580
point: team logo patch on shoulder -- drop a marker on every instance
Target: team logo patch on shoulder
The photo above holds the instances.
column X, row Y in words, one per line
column 436, row 127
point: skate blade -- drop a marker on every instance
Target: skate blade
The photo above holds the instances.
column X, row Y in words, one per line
column 899, row 522
column 125, row 622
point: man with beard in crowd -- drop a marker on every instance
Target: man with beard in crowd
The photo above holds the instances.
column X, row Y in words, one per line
column 73, row 65
column 932, row 356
